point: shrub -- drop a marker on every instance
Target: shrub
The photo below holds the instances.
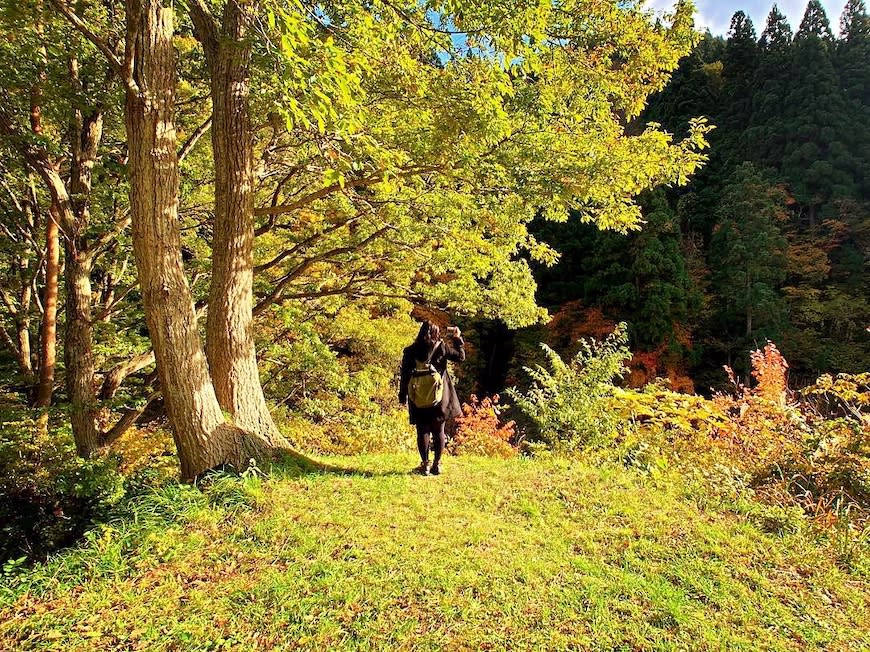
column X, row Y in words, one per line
column 479, row 431
column 669, row 428
column 570, row 404
column 811, row 450
column 48, row 495
column 349, row 433
column 334, row 380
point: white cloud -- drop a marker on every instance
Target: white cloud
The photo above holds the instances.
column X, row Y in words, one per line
column 715, row 15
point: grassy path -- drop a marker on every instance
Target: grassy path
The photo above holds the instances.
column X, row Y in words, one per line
column 490, row 556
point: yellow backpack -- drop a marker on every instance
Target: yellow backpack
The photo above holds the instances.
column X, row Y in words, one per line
column 426, row 387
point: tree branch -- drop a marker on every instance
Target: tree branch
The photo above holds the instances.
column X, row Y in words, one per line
column 89, row 34
column 205, row 29
column 9, row 342
column 306, row 242
column 335, row 187
column 107, row 237
column 275, row 294
column 265, row 228
column 8, row 302
column 128, row 418
column 108, row 310
column 122, row 370
column 193, row 139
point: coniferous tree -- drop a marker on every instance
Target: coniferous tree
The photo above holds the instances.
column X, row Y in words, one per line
column 748, row 258
column 851, row 60
column 777, row 34
column 818, row 164
column 738, row 65
column 854, row 23
column 766, row 137
column 695, row 89
column 657, row 291
column 642, row 278
column 815, row 23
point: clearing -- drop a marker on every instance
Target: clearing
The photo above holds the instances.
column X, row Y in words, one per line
column 492, row 555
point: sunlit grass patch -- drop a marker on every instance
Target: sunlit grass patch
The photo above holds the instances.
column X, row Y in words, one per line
column 357, row 553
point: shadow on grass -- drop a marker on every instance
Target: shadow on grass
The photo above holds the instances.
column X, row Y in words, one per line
column 293, row 464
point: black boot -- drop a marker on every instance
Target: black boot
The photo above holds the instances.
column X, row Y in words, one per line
column 423, row 469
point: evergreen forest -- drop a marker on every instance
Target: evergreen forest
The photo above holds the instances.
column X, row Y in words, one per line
column 769, row 240
column 633, row 255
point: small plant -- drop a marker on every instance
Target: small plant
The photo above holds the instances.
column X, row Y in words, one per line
column 479, row 431
column 570, row 403
column 770, row 370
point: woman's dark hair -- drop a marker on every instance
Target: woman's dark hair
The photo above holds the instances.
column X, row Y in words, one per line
column 429, row 335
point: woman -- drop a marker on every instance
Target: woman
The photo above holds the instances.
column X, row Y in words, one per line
column 430, row 348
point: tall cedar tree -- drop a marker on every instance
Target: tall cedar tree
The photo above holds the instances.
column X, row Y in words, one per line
column 748, row 255
column 818, row 161
column 738, row 63
column 766, row 137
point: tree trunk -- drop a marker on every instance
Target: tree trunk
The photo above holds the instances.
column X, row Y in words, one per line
column 230, row 348
column 203, row 439
column 48, row 328
column 748, row 301
column 22, row 316
column 78, row 348
column 78, row 351
column 78, row 341
column 22, row 326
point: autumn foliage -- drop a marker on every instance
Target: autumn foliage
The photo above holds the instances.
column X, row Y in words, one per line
column 480, row 430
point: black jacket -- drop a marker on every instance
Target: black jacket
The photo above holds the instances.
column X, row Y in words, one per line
column 449, row 406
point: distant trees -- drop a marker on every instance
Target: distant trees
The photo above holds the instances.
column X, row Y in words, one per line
column 747, row 252
column 773, row 229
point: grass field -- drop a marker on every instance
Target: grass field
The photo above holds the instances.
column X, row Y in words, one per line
column 492, row 555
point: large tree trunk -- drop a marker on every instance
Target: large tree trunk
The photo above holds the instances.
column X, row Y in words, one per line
column 203, row 439
column 230, row 349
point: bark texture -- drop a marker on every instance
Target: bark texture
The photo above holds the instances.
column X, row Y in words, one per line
column 78, row 344
column 230, row 346
column 203, row 439
column 47, row 360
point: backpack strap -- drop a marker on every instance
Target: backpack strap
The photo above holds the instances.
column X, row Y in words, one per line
column 432, row 354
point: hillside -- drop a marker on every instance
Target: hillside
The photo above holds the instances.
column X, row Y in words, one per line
column 360, row 554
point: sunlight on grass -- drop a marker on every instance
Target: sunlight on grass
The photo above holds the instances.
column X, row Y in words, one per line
column 516, row 554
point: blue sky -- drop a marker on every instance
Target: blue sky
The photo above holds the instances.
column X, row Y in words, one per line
column 716, row 14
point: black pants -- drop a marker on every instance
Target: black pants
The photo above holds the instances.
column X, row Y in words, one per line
column 431, row 432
